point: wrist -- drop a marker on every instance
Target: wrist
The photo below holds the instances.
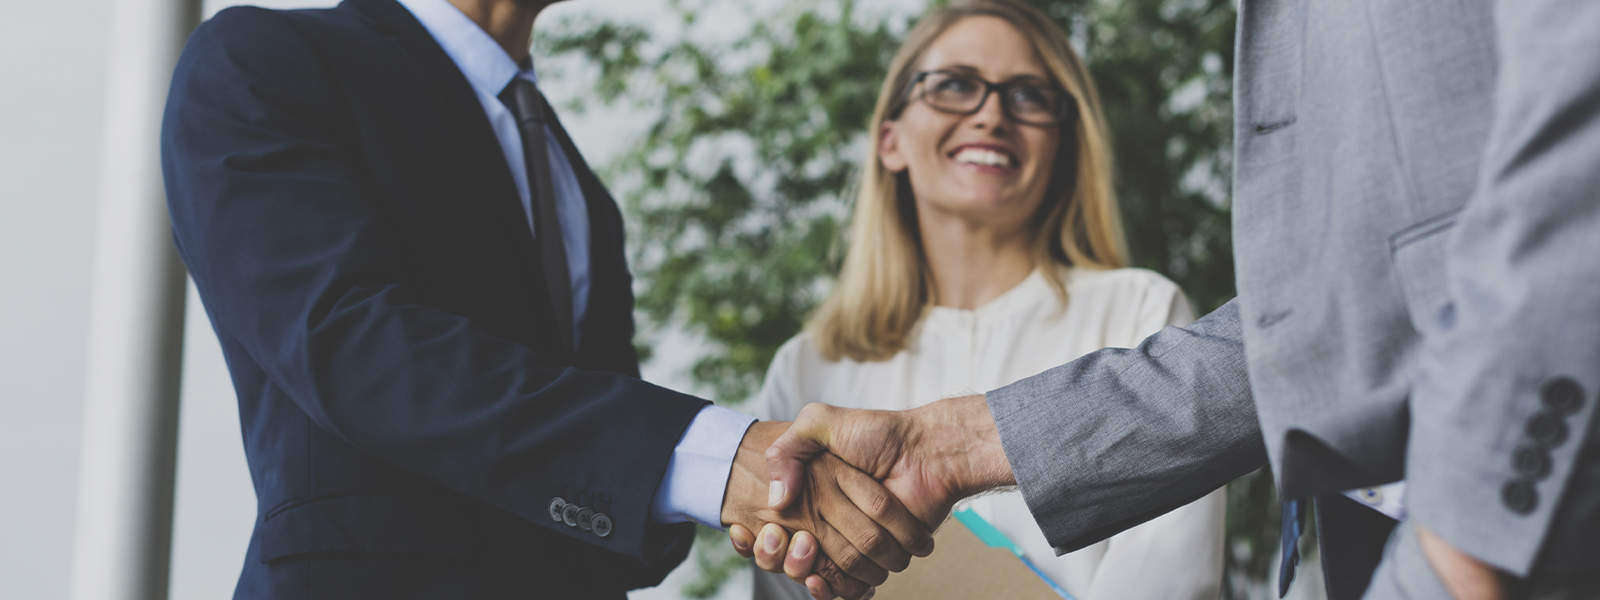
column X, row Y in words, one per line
column 960, row 434
column 1463, row 575
column 748, row 484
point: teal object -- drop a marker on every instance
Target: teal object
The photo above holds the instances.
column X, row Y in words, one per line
column 992, row 538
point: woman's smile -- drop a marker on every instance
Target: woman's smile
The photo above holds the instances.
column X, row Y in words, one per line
column 986, row 158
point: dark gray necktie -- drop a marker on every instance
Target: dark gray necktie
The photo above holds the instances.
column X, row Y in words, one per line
column 532, row 112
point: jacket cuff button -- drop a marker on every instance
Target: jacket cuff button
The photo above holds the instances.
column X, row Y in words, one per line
column 569, row 515
column 556, row 506
column 1520, row 497
column 584, row 515
column 1562, row 395
column 1546, row 430
column 602, row 525
column 1530, row 462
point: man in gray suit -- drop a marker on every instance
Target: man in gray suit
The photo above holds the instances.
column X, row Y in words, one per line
column 1417, row 226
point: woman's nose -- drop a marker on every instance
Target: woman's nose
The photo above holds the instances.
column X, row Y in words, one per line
column 990, row 115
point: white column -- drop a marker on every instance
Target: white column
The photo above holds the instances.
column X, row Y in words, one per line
column 124, row 522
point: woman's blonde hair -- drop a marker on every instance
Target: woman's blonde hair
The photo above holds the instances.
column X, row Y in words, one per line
column 884, row 286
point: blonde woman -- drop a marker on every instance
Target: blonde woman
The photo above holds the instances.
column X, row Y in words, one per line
column 985, row 247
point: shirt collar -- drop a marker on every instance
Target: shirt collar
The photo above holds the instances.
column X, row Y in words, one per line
column 485, row 64
column 1032, row 290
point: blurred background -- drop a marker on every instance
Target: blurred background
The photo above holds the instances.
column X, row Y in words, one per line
column 730, row 132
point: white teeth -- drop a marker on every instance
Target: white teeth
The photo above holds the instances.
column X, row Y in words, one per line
column 979, row 156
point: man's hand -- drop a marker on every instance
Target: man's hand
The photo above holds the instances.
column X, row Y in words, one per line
column 862, row 531
column 1466, row 578
column 929, row 457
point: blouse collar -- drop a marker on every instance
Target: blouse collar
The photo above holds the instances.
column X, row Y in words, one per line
column 1026, row 294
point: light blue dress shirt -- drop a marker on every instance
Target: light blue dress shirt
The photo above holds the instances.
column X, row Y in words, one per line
column 697, row 472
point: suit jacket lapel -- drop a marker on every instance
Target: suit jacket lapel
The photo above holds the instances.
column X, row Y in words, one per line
column 447, row 124
column 446, row 118
column 607, row 265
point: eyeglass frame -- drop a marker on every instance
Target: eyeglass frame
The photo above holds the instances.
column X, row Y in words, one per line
column 1069, row 107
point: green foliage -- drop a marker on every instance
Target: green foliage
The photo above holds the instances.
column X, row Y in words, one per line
column 1165, row 71
column 737, row 190
column 735, row 193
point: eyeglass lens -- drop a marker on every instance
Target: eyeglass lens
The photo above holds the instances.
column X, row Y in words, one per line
column 1026, row 100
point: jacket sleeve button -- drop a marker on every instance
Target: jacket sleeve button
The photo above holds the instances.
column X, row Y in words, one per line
column 584, row 515
column 1531, row 462
column 569, row 515
column 1520, row 497
column 1546, row 429
column 1562, row 395
column 556, row 506
column 602, row 524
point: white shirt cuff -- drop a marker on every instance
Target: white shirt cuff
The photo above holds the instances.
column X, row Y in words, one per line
column 697, row 473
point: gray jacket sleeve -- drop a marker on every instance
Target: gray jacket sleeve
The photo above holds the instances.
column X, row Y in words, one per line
column 1120, row 436
column 1510, row 362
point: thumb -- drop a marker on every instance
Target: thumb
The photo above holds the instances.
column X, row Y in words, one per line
column 806, row 437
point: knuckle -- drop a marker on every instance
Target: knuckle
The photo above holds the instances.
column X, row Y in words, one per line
column 841, row 583
column 878, row 506
column 851, row 561
column 828, row 570
column 875, row 543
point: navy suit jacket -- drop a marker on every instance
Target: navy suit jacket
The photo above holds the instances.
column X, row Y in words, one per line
column 357, row 240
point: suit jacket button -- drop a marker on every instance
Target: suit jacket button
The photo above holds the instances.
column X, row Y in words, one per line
column 1562, row 395
column 1546, row 429
column 602, row 524
column 1520, row 497
column 556, row 506
column 1531, row 462
column 569, row 515
column 583, row 518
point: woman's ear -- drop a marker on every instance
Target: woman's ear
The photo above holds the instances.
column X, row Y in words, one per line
column 889, row 148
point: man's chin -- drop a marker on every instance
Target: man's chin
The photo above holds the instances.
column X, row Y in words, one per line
column 535, row 5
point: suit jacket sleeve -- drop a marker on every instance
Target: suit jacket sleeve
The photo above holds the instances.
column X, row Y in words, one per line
column 1510, row 362
column 1120, row 436
column 289, row 247
column 1184, row 545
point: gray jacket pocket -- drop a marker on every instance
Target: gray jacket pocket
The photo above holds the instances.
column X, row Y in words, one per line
column 1418, row 253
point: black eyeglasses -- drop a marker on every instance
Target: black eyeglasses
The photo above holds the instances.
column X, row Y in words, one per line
column 1027, row 100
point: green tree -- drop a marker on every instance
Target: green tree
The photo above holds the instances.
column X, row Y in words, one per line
column 736, row 191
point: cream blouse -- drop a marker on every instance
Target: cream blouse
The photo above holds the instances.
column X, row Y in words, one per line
column 1022, row 332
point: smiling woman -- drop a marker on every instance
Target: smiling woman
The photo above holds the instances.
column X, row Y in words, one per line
column 934, row 168
column 985, row 247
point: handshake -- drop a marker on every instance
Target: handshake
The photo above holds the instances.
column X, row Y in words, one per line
column 841, row 497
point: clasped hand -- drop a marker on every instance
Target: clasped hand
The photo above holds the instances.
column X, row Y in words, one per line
column 862, row 530
column 903, row 470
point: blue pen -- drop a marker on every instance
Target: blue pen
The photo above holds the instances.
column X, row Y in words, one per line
column 993, row 538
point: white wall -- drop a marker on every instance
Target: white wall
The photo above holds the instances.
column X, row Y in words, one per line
column 49, row 161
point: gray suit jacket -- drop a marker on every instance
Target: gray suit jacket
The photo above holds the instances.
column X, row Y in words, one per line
column 1417, row 239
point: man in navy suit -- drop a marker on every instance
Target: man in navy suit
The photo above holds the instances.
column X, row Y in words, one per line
column 421, row 293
